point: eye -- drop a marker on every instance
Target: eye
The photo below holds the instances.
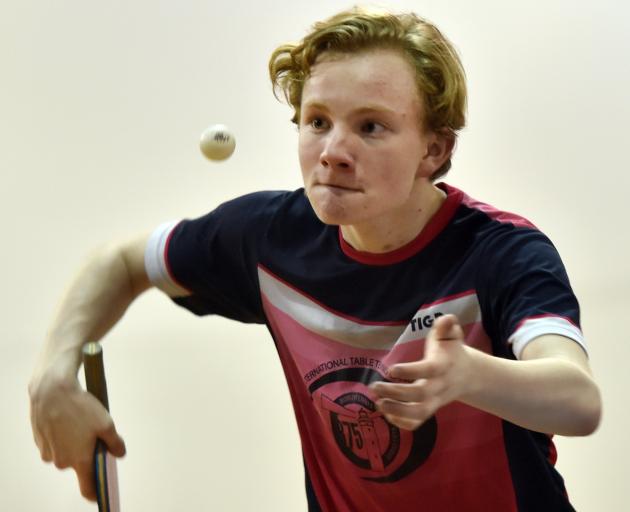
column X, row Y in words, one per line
column 318, row 123
column 372, row 127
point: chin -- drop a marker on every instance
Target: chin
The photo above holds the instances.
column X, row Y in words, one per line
column 328, row 217
column 328, row 213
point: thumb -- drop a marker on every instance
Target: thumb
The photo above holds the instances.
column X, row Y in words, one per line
column 447, row 328
column 115, row 443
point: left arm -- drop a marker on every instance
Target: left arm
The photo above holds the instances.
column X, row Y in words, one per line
column 549, row 390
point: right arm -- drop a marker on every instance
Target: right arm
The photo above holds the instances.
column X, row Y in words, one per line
column 66, row 420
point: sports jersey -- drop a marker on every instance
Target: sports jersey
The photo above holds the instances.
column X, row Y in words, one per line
column 340, row 317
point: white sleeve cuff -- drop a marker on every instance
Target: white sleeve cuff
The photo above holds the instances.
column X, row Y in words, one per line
column 532, row 328
column 156, row 264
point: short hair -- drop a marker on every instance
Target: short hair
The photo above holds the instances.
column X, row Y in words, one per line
column 439, row 73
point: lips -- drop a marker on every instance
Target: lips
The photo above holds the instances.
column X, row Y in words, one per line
column 336, row 186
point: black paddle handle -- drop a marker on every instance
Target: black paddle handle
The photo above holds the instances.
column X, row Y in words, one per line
column 95, row 371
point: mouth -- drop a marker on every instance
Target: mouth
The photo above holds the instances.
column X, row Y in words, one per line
column 337, row 188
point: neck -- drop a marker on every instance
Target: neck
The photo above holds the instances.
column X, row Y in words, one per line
column 397, row 229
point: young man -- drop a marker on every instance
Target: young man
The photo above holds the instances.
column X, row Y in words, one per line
column 430, row 342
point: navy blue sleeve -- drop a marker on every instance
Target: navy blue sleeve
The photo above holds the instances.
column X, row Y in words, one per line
column 215, row 257
column 525, row 291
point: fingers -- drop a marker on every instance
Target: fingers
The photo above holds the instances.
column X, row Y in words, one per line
column 415, row 370
column 85, row 475
column 43, row 446
column 66, row 422
column 45, row 453
column 407, row 415
column 408, row 406
column 66, row 426
column 84, row 468
column 417, row 391
column 83, row 461
column 424, row 386
column 115, row 443
column 40, row 441
column 102, row 426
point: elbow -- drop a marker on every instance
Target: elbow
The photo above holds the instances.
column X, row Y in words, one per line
column 586, row 425
column 589, row 415
column 593, row 418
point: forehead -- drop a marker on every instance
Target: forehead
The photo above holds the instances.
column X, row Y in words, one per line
column 378, row 76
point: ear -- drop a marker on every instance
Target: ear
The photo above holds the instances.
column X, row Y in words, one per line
column 439, row 148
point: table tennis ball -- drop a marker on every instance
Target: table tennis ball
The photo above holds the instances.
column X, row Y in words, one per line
column 217, row 142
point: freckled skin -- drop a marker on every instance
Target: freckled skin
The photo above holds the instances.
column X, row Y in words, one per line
column 365, row 160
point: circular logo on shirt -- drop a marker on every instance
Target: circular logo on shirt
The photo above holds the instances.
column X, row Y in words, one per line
column 381, row 451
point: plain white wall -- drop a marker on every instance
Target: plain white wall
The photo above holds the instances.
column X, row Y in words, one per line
column 101, row 108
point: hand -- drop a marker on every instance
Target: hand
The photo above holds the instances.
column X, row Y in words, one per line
column 439, row 378
column 66, row 421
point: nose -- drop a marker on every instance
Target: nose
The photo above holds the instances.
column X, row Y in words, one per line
column 336, row 153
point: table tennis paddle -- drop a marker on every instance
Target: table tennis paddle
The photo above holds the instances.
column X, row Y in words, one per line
column 105, row 474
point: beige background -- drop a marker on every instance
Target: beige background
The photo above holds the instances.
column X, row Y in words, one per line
column 101, row 107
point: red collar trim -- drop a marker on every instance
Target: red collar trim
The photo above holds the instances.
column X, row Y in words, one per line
column 436, row 224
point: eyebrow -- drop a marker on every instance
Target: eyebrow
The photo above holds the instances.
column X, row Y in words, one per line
column 367, row 109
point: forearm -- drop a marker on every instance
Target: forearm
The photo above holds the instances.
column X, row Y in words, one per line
column 549, row 390
column 550, row 394
column 96, row 299
column 66, row 420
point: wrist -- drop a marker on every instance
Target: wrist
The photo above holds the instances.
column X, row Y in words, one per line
column 477, row 367
column 59, row 361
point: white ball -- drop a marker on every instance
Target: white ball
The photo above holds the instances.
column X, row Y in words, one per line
column 217, row 142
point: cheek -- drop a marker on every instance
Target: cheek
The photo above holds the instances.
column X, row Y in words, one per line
column 399, row 176
column 307, row 155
